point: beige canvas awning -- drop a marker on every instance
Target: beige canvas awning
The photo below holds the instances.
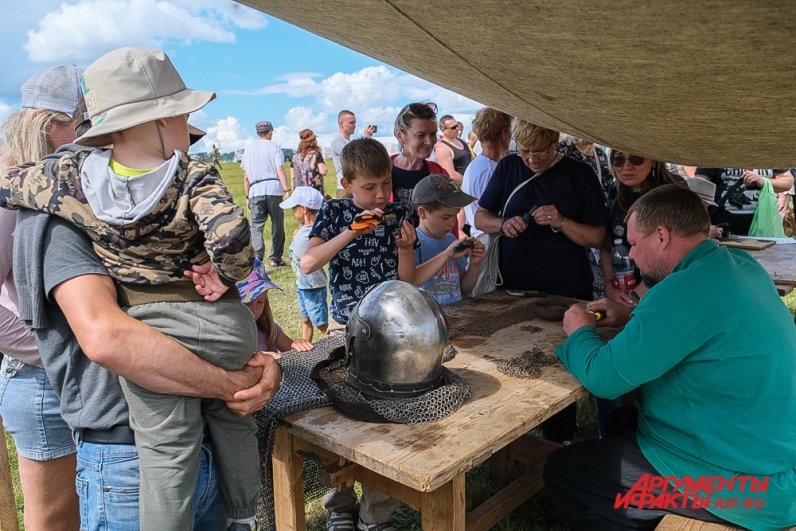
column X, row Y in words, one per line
column 709, row 83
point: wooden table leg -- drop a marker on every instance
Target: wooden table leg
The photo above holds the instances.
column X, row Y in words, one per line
column 443, row 509
column 288, row 475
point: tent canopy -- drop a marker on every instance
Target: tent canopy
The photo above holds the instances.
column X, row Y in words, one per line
column 708, row 83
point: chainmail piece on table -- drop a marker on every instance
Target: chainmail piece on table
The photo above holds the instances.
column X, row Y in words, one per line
column 297, row 393
column 528, row 364
column 488, row 325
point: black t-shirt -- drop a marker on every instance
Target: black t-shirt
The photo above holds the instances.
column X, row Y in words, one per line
column 403, row 182
column 539, row 258
column 740, row 203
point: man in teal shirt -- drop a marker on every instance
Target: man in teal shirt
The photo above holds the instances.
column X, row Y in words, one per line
column 711, row 354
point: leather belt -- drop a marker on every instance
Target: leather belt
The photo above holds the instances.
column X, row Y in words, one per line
column 121, row 434
column 117, row 435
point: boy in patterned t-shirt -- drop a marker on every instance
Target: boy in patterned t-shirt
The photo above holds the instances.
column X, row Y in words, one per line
column 358, row 260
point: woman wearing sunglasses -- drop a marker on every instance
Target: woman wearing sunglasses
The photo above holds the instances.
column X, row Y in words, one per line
column 635, row 176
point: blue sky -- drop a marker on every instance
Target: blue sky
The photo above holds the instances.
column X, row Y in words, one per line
column 260, row 67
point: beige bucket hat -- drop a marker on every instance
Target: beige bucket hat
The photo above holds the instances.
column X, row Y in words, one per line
column 132, row 86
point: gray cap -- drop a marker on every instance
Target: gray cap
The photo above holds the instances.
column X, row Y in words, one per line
column 264, row 127
column 438, row 187
column 56, row 89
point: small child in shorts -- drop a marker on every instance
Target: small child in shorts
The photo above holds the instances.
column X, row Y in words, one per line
column 305, row 202
column 442, row 266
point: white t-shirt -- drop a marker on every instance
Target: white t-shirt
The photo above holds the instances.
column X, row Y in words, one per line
column 476, row 177
column 260, row 161
column 337, row 147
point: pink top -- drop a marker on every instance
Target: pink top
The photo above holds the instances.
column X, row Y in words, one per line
column 16, row 339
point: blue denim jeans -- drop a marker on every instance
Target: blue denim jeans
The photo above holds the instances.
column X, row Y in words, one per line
column 107, row 485
column 31, row 412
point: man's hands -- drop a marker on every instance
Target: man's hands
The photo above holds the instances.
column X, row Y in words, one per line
column 615, row 314
column 253, row 398
column 206, row 281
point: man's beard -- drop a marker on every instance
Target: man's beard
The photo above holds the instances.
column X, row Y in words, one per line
column 653, row 275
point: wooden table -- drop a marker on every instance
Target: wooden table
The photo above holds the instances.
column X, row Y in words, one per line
column 423, row 465
column 780, row 262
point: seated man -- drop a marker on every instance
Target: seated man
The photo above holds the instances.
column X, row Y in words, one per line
column 54, row 263
column 709, row 351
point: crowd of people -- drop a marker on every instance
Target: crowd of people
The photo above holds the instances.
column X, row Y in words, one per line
column 120, row 327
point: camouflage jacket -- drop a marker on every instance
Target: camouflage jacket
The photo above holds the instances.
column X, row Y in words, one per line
column 195, row 220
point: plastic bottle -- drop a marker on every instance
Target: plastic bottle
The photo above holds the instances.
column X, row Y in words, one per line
column 623, row 267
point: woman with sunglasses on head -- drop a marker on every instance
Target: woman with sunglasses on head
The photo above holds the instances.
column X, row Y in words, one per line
column 416, row 131
column 635, row 176
column 52, row 107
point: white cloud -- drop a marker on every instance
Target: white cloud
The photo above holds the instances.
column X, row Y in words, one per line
column 86, row 28
column 227, row 133
column 375, row 93
column 295, row 120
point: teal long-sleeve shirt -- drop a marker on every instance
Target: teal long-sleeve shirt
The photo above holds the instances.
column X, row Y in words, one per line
column 711, row 352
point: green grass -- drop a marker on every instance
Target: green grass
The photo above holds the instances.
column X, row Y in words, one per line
column 284, row 304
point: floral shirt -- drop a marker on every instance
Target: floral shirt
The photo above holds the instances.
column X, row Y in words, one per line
column 306, row 170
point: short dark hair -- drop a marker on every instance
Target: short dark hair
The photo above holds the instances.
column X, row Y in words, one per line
column 445, row 119
column 364, row 156
column 674, row 206
column 342, row 113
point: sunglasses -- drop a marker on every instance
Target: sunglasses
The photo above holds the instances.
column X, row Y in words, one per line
column 620, row 160
column 418, row 108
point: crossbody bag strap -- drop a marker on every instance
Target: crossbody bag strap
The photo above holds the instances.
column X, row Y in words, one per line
column 523, row 183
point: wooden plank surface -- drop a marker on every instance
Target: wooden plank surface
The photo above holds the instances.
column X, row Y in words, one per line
column 780, row 262
column 288, row 477
column 747, row 245
column 673, row 522
column 501, row 408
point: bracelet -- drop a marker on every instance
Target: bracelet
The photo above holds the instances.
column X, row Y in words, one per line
column 560, row 227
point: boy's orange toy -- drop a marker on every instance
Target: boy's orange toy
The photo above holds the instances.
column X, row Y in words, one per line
column 363, row 221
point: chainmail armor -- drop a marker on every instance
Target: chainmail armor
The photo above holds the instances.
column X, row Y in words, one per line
column 528, row 364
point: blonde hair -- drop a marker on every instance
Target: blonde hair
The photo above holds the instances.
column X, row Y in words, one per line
column 266, row 322
column 489, row 124
column 25, row 137
column 527, row 134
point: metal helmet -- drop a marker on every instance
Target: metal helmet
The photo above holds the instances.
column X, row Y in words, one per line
column 395, row 339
